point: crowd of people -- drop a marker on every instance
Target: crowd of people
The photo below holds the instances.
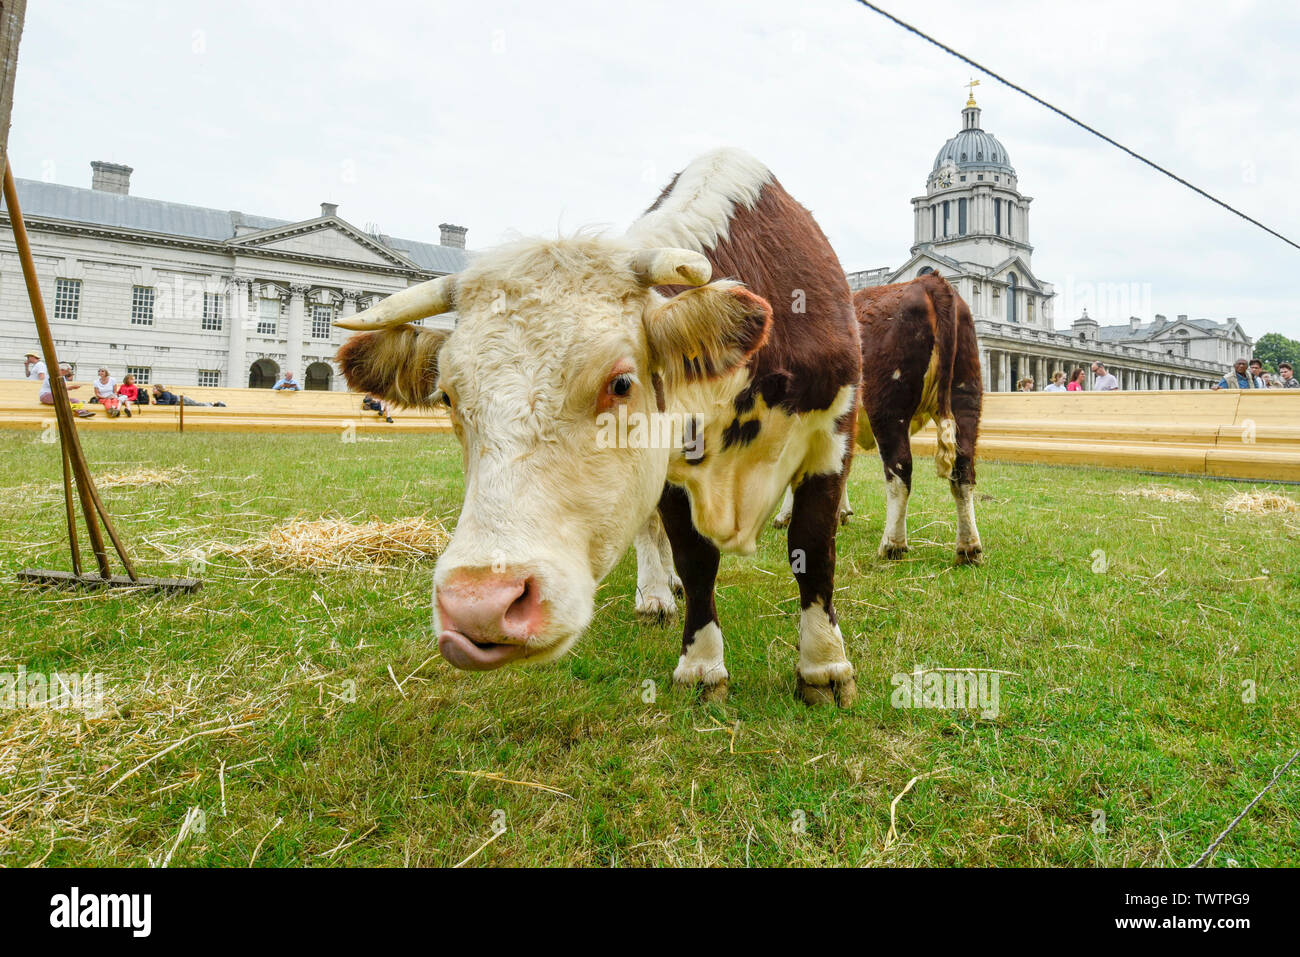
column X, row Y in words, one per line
column 1245, row 374
column 115, row 398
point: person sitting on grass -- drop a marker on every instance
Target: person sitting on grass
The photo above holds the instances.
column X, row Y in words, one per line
column 1289, row 381
column 105, row 388
column 286, row 383
column 46, row 396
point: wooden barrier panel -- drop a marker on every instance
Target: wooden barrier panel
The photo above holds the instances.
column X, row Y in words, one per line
column 1233, row 434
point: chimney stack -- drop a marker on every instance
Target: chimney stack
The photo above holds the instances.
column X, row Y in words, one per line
column 453, row 235
column 329, row 209
column 1133, row 323
column 110, row 177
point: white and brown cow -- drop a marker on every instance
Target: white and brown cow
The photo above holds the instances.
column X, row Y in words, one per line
column 755, row 373
column 920, row 363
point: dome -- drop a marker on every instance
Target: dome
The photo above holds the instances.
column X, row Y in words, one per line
column 972, row 148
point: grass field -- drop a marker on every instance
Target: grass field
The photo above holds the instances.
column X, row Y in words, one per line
column 1127, row 732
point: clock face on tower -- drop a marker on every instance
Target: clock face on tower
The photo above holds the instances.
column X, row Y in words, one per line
column 944, row 176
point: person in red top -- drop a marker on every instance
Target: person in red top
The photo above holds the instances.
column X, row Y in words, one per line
column 129, row 391
column 1076, row 381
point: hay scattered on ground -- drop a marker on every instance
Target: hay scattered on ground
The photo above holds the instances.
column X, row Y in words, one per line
column 138, row 478
column 1160, row 493
column 333, row 543
column 1256, row 502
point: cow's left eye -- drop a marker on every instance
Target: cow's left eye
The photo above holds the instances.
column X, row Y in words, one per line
column 621, row 385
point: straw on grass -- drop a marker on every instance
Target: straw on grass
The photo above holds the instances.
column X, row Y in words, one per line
column 1256, row 502
column 335, row 543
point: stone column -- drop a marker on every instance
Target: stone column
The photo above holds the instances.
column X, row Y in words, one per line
column 293, row 347
column 984, row 370
column 236, row 355
column 1004, row 371
column 349, row 308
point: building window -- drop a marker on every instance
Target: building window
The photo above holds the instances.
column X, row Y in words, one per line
column 321, row 317
column 1009, row 230
column 1029, row 310
column 209, row 378
column 1011, row 298
column 961, row 217
column 141, row 374
column 142, row 305
column 997, row 216
column 946, row 211
column 67, row 299
column 268, row 316
column 934, row 222
column 214, row 310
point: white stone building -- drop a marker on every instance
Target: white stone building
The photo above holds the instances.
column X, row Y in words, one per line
column 185, row 295
column 972, row 227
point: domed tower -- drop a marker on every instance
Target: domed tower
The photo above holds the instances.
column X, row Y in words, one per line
column 972, row 226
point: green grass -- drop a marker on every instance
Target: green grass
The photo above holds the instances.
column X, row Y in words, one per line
column 1127, row 696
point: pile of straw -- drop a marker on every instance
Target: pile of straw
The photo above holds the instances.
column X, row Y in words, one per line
column 334, row 543
column 138, row 478
column 1160, row 493
column 1256, row 502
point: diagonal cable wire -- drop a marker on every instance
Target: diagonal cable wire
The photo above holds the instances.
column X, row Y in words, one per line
column 1077, row 122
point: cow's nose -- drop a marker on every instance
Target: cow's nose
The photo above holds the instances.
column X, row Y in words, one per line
column 493, row 609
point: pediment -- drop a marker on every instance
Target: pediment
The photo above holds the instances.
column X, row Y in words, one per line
column 326, row 238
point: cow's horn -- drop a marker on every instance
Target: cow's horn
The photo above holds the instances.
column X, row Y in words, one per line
column 427, row 299
column 671, row 267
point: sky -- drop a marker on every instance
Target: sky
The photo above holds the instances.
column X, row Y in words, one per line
column 541, row 118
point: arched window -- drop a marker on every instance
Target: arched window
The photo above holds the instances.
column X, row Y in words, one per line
column 1012, row 281
column 925, row 271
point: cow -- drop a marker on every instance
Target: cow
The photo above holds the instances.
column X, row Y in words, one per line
column 920, row 362
column 723, row 312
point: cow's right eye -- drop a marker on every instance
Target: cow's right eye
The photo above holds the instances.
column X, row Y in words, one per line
column 441, row 397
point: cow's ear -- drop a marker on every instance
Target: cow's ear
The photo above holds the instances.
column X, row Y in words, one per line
column 707, row 332
column 399, row 364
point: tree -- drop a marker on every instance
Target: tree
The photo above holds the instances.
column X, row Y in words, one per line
column 1273, row 347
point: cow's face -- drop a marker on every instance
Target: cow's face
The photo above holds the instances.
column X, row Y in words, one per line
column 561, row 351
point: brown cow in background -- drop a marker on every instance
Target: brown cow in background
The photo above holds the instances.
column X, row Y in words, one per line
column 920, row 361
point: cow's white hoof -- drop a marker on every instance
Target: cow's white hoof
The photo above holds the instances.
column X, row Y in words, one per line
column 970, row 554
column 706, row 692
column 892, row 551
column 781, row 521
column 656, row 606
column 839, row 692
column 845, row 515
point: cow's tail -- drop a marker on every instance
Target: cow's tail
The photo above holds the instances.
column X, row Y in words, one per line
column 946, row 304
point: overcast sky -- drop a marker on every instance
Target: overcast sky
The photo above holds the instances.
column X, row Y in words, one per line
column 530, row 118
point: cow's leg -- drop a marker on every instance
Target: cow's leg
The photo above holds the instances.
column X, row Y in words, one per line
column 966, row 414
column 783, row 513
column 654, row 572
column 696, row 558
column 846, row 509
column 896, row 455
column 825, row 675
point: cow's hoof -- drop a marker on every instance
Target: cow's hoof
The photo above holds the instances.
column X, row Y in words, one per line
column 678, row 588
column 656, row 609
column 705, row 692
column 845, row 515
column 781, row 521
column 970, row 555
column 891, row 551
column 842, row 692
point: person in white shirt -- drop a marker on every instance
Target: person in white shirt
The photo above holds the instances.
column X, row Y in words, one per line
column 105, row 387
column 1105, row 382
column 47, row 391
column 33, row 367
column 1057, row 384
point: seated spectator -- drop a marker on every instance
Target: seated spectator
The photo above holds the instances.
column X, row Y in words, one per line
column 105, row 389
column 1257, row 370
column 1287, row 374
column 1026, row 384
column 1057, row 384
column 286, row 382
column 33, row 367
column 1238, row 378
column 1077, row 381
column 46, row 395
column 129, row 392
column 1105, row 382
